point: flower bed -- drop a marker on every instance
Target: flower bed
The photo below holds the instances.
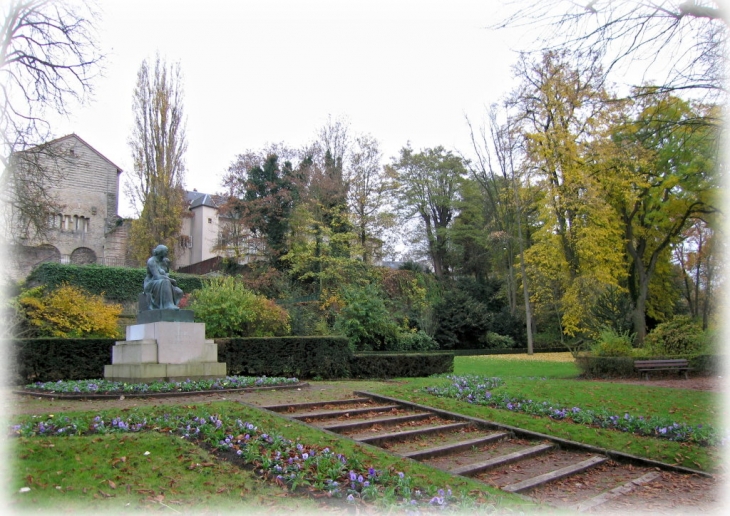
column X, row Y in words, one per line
column 117, row 388
column 477, row 390
column 291, row 464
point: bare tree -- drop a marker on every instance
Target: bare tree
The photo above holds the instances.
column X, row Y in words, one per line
column 370, row 186
column 686, row 40
column 48, row 59
column 158, row 147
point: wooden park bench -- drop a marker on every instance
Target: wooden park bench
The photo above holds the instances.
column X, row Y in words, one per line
column 680, row 365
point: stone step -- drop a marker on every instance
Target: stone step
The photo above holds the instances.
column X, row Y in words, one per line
column 365, row 423
column 554, row 475
column 379, row 440
column 617, row 492
column 473, row 469
column 324, row 414
column 446, row 449
column 314, row 404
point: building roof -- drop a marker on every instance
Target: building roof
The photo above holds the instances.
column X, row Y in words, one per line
column 196, row 199
column 76, row 136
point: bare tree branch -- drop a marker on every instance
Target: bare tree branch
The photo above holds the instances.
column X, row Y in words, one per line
column 48, row 60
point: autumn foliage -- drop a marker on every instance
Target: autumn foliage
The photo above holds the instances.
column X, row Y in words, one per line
column 68, row 312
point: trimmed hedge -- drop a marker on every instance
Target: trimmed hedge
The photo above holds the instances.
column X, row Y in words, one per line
column 303, row 357
column 50, row 360
column 623, row 367
column 120, row 284
column 401, row 365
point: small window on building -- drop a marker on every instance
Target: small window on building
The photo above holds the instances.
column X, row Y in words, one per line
column 210, row 221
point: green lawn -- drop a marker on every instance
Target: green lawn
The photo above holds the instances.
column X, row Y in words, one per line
column 113, row 473
column 155, row 471
column 557, row 382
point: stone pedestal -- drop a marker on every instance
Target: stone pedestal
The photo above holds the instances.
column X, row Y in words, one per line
column 164, row 349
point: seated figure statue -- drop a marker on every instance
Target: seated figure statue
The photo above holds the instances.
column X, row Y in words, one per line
column 162, row 289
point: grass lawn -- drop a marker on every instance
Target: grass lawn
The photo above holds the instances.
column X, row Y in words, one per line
column 140, row 472
column 553, row 378
column 113, row 472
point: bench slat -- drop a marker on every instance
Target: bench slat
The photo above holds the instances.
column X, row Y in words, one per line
column 645, row 366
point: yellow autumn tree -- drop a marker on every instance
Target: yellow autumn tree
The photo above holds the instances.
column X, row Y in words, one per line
column 563, row 113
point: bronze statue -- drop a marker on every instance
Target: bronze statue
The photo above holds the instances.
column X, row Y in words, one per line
column 163, row 291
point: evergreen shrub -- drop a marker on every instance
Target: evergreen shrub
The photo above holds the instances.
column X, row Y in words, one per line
column 400, row 365
column 118, row 284
column 681, row 335
column 50, row 360
column 303, row 357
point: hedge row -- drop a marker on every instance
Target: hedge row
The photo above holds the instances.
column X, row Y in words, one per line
column 48, row 359
column 118, row 284
column 623, row 367
column 403, row 365
column 302, row 357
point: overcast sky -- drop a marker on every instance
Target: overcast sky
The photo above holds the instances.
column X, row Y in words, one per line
column 260, row 71
column 265, row 71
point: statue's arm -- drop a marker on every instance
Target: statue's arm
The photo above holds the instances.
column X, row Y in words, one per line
column 153, row 269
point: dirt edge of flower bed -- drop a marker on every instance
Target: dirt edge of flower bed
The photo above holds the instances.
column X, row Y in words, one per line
column 109, row 395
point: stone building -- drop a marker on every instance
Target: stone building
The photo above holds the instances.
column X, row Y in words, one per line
column 84, row 226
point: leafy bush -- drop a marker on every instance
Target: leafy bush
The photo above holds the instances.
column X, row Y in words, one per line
column 468, row 309
column 415, row 341
column 496, row 341
column 681, row 335
column 365, row 320
column 68, row 312
column 229, row 309
column 611, row 343
column 605, row 367
column 462, row 320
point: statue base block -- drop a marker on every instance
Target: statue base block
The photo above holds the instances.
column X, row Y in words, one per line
column 144, row 373
column 163, row 350
column 150, row 316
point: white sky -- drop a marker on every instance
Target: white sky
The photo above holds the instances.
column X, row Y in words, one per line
column 266, row 71
column 260, row 71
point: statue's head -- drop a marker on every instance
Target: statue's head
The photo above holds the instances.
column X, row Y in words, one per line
column 160, row 250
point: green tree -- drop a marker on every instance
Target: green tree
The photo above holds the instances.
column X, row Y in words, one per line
column 428, row 187
column 271, row 191
column 661, row 179
column 158, row 145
